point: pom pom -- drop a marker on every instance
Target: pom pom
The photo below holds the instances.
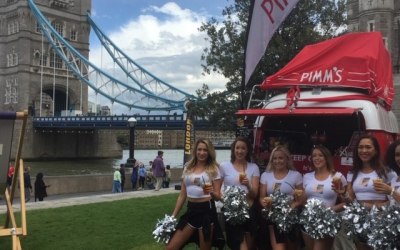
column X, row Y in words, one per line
column 356, row 221
column 385, row 231
column 319, row 221
column 236, row 209
column 281, row 213
column 164, row 228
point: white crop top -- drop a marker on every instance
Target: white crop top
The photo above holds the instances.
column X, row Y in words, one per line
column 363, row 185
column 321, row 190
column 231, row 175
column 194, row 184
column 286, row 185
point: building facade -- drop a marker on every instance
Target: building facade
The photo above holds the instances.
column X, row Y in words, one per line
column 33, row 76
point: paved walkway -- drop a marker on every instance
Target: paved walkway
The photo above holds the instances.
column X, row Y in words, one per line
column 55, row 201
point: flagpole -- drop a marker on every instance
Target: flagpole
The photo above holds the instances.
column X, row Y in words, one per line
column 243, row 85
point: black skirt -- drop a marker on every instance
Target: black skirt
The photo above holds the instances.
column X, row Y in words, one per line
column 235, row 233
column 201, row 216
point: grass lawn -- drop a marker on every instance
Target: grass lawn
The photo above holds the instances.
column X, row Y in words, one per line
column 124, row 224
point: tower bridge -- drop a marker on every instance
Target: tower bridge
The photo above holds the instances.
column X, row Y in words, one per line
column 44, row 47
column 45, row 44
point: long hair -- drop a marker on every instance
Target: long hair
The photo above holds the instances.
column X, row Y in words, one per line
column 375, row 162
column 390, row 157
column 211, row 163
column 248, row 145
column 328, row 158
column 287, row 154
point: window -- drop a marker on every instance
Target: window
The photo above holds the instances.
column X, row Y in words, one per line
column 371, row 26
column 11, row 91
column 12, row 58
column 12, row 26
column 73, row 36
column 43, row 60
column 38, row 29
column 55, row 60
column 58, row 27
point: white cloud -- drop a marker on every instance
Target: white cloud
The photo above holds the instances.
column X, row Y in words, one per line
column 165, row 40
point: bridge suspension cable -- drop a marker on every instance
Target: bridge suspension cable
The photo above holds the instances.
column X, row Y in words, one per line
column 150, row 94
column 139, row 75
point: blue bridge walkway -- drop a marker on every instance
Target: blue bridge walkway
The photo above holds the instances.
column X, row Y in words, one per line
column 165, row 122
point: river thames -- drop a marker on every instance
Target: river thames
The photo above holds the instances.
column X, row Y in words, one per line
column 172, row 157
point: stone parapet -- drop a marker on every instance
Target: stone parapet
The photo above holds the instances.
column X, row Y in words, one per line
column 69, row 184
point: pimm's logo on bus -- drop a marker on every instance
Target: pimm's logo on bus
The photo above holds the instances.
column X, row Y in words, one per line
column 333, row 75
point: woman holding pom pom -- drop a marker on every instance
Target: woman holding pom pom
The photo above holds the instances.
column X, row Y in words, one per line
column 366, row 175
column 201, row 183
column 281, row 175
column 240, row 172
column 319, row 185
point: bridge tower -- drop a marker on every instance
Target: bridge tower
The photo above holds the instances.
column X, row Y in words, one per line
column 383, row 16
column 33, row 75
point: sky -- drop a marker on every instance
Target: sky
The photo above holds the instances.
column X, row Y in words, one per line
column 161, row 36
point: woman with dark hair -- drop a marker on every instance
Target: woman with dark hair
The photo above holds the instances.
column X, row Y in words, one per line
column 40, row 187
column 392, row 160
column 241, row 172
column 368, row 170
column 200, row 186
column 319, row 185
column 280, row 175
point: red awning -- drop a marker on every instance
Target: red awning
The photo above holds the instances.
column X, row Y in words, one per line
column 355, row 60
column 298, row 111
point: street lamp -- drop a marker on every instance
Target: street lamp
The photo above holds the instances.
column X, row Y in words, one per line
column 131, row 123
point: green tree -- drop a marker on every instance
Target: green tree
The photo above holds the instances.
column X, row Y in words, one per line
column 310, row 21
column 217, row 107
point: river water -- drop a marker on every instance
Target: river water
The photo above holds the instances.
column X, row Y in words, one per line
column 172, row 157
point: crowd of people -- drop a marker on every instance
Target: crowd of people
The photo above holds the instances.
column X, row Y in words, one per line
column 370, row 182
column 157, row 176
column 40, row 190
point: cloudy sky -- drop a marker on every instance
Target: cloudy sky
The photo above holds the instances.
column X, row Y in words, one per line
column 162, row 36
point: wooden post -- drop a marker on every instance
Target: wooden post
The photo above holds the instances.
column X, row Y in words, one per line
column 14, row 231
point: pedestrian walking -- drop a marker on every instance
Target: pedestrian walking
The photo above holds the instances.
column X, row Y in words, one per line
column 142, row 175
column 158, row 169
column 167, row 177
column 27, row 184
column 122, row 171
column 117, row 182
column 134, row 175
column 40, row 187
column 10, row 174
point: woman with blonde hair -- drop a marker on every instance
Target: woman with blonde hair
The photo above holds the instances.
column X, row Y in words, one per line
column 280, row 175
column 319, row 185
column 201, row 183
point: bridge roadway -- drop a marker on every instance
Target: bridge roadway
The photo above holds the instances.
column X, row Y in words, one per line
column 165, row 122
